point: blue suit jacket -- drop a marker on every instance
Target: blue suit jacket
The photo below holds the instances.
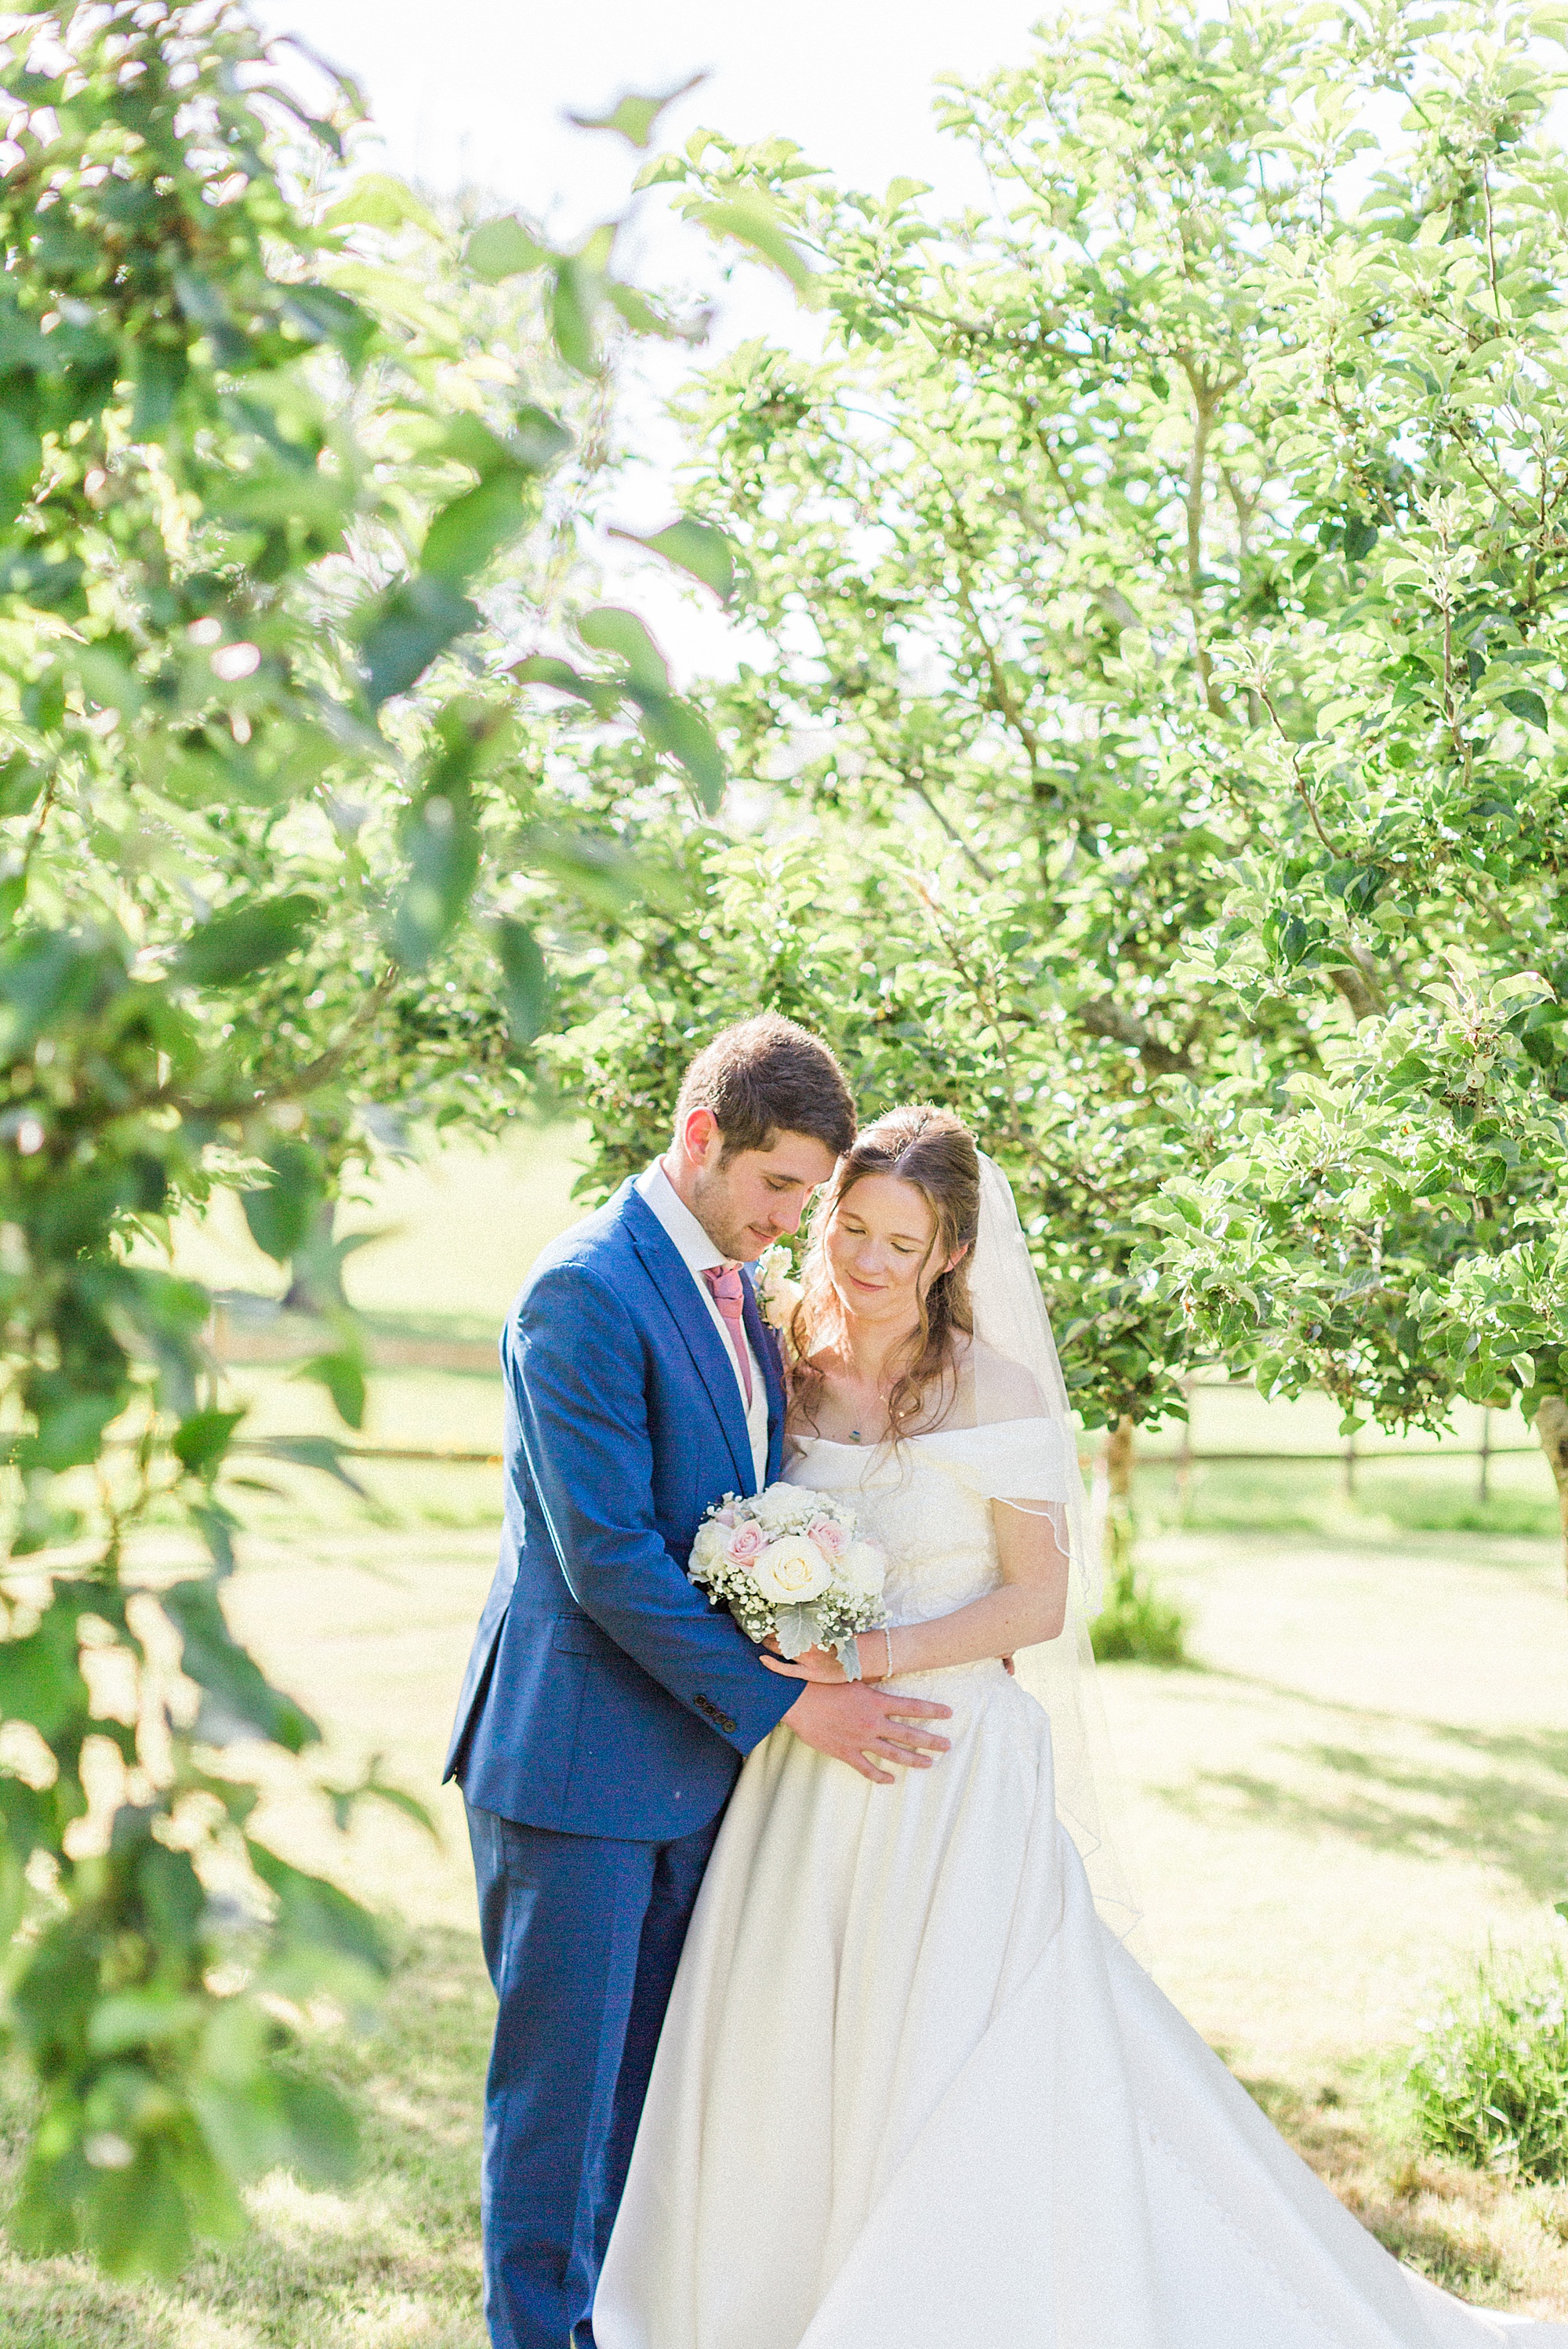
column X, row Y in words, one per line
column 604, row 1695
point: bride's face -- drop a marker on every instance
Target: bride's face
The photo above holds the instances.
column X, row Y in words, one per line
column 879, row 1250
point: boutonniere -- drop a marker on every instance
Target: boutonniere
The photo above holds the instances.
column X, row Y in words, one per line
column 777, row 1291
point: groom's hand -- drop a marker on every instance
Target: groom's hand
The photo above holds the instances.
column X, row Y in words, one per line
column 858, row 1723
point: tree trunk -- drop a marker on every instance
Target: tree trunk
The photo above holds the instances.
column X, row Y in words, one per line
column 1118, row 1526
column 1552, row 1427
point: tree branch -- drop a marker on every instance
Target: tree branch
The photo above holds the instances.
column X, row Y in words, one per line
column 1206, row 398
column 1360, row 987
column 305, row 1080
column 1104, row 1016
column 1007, row 700
column 949, row 827
column 46, row 804
column 1308, row 803
column 986, row 1003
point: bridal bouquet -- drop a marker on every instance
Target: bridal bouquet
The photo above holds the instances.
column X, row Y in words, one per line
column 789, row 1562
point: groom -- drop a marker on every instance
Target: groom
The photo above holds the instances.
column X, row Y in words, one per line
column 606, row 1705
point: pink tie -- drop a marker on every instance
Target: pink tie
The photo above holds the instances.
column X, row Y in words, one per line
column 728, row 1294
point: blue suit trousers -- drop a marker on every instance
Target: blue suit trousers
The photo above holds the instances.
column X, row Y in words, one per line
column 581, row 1935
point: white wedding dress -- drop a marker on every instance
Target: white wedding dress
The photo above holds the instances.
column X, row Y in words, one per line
column 912, row 2093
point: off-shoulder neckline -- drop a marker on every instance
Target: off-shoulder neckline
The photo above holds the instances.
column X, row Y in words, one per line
column 926, row 1435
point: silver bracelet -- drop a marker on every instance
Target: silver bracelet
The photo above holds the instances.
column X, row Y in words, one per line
column 887, row 1635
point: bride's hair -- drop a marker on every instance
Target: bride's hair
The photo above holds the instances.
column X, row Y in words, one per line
column 935, row 1152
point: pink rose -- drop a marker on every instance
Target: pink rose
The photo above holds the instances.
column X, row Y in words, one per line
column 829, row 1536
column 745, row 1543
column 724, row 1517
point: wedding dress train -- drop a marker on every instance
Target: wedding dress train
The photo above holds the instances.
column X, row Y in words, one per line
column 911, row 2093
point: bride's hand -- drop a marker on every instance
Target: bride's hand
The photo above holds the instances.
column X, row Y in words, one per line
column 811, row 1664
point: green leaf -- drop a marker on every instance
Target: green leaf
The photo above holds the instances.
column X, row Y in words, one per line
column 695, row 547
column 199, row 1442
column 747, row 216
column 321, row 2133
column 1360, row 537
column 675, row 726
column 533, row 443
column 21, row 454
column 161, row 376
column 48, row 974
column 315, row 1914
column 279, row 1211
column 633, row 116
column 441, row 842
column 237, row 1699
column 21, row 781
column 202, row 300
column 374, row 1787
column 465, row 535
column 1527, row 705
column 40, row 1679
column 113, row 684
column 609, row 629
column 142, row 2018
column 525, row 988
column 323, row 315
column 645, row 318
column 1293, row 940
column 138, row 2221
column 504, row 248
column 377, row 200
column 71, row 1418
column 405, row 629
column 235, row 943
column 342, row 1373
column 571, row 308
column 538, row 439
column 40, row 580
column 542, row 669
column 595, row 869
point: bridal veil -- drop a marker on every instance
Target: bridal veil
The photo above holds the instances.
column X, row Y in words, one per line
column 1018, row 1392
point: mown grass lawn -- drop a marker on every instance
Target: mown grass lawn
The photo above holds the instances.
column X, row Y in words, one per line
column 1361, row 1779
column 392, row 2265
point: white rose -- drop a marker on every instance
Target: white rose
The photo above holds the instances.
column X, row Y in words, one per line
column 709, row 1547
column 862, row 1570
column 778, row 1506
column 791, row 1571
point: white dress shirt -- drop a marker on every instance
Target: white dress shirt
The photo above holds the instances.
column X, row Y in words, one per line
column 698, row 1253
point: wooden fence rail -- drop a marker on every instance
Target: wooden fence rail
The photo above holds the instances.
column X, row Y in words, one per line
column 240, row 1340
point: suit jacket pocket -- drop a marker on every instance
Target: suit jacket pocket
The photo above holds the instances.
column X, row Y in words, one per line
column 579, row 1635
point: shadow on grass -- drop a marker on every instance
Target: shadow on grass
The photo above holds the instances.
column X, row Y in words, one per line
column 1438, row 2218
column 1511, row 1812
column 395, row 2262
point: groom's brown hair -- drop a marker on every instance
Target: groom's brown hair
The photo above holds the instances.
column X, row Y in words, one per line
column 766, row 1076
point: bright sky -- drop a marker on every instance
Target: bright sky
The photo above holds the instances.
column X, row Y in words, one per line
column 474, row 92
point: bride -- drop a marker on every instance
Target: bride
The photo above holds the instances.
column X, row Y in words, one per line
column 913, row 2091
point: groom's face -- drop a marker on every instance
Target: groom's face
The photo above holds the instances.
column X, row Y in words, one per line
column 746, row 1202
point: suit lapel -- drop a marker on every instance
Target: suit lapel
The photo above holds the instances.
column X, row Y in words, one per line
column 709, row 1353
column 765, row 1346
